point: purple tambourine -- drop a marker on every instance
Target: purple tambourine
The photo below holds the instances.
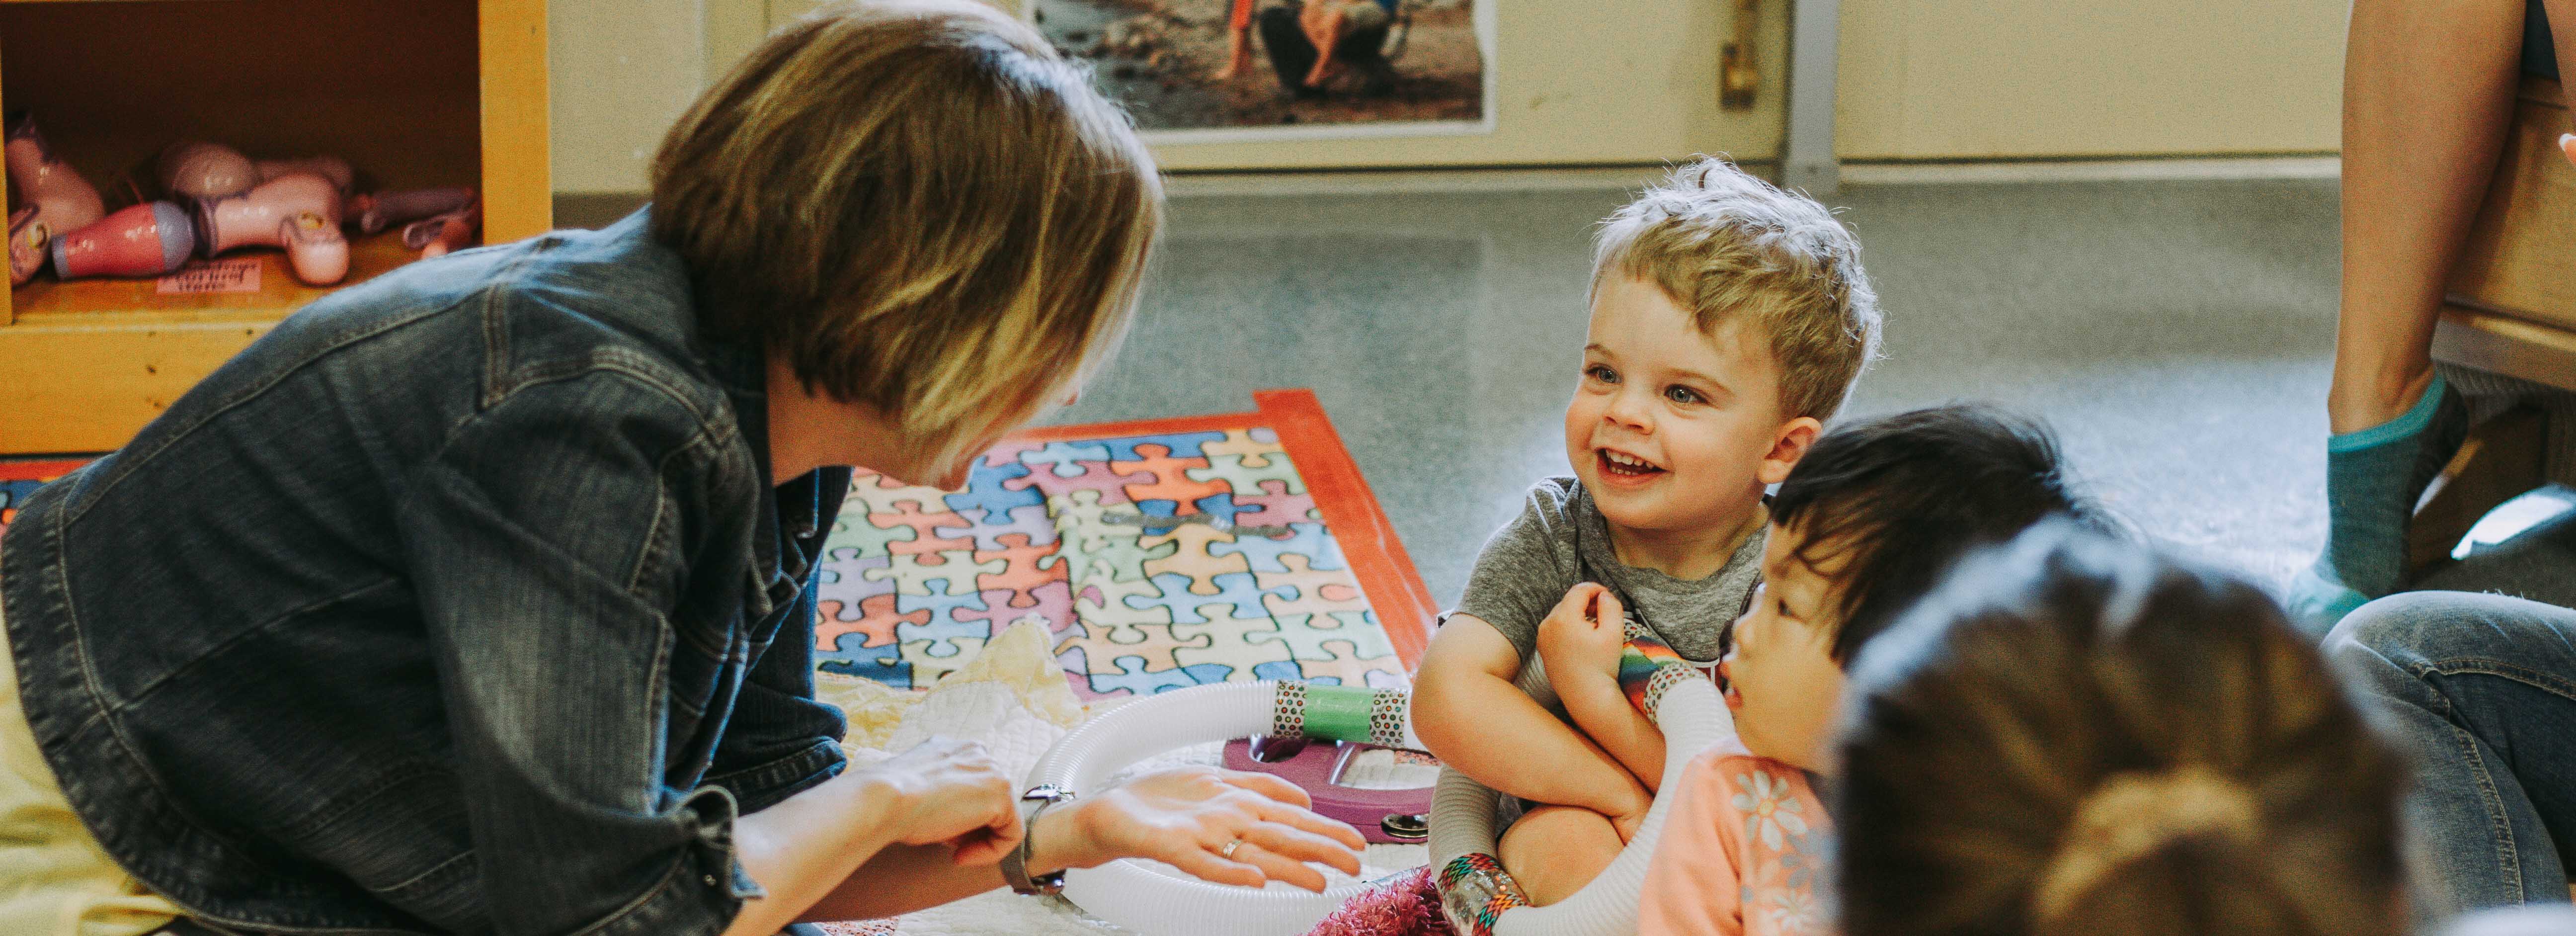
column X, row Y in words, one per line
column 1398, row 815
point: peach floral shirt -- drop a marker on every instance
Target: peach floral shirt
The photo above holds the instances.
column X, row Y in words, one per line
column 1742, row 854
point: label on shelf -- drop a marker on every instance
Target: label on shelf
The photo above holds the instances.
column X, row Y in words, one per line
column 239, row 275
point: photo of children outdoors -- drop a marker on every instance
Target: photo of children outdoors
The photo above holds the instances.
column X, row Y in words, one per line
column 1182, row 65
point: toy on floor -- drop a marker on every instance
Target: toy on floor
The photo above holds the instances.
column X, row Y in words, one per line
column 1402, row 904
column 266, row 216
column 1325, row 771
column 1143, row 898
column 377, row 211
column 149, row 239
column 1480, row 897
column 63, row 200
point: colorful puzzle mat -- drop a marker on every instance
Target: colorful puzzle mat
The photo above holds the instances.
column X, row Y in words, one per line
column 1160, row 554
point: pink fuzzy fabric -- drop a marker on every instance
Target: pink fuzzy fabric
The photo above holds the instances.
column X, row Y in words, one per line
column 1406, row 904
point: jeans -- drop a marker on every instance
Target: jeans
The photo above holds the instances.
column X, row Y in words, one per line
column 2481, row 691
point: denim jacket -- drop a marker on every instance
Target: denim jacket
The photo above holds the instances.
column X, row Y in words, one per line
column 462, row 601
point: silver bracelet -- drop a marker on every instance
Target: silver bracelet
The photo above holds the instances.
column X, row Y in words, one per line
column 1015, row 866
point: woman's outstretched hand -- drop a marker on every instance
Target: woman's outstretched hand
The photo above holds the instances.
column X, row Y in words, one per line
column 946, row 791
column 1187, row 817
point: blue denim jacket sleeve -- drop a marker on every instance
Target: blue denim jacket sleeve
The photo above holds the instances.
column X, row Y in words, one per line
column 780, row 740
column 554, row 654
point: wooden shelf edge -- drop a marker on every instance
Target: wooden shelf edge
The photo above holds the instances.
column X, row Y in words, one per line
column 2502, row 344
column 86, row 387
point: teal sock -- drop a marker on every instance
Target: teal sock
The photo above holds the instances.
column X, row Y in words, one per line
column 2373, row 478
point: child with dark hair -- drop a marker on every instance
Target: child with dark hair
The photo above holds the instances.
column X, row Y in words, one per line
column 1868, row 522
column 2076, row 736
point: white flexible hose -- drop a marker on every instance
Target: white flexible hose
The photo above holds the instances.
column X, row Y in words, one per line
column 1150, row 897
column 1153, row 899
column 1692, row 717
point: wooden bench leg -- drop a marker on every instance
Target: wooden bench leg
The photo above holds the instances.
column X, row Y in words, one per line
column 2501, row 460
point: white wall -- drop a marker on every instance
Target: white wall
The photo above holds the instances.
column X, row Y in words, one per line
column 1925, row 79
column 1600, row 81
column 621, row 70
column 1630, row 81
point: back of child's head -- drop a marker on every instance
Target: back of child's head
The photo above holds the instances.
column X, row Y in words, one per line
column 2076, row 736
column 918, row 205
column 1727, row 246
column 1885, row 505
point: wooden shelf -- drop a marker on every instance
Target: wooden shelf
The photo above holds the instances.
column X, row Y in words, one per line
column 411, row 92
column 46, row 301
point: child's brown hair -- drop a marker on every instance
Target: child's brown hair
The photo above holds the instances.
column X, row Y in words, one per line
column 919, row 206
column 1725, row 245
column 2075, row 736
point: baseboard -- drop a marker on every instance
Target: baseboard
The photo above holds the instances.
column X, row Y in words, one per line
column 2289, row 166
column 595, row 209
column 1421, row 180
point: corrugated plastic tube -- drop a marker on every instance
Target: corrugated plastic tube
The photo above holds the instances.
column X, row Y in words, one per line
column 1692, row 717
column 1149, row 898
column 1156, row 901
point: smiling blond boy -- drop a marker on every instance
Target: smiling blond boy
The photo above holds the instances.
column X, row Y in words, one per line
column 1728, row 321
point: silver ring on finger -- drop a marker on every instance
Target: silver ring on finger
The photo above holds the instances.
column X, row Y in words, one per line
column 1227, row 852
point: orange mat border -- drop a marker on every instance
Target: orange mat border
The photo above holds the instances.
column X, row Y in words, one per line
column 39, row 470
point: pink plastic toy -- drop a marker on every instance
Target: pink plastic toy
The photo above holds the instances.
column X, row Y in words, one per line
column 1317, row 767
column 149, row 239
column 28, row 238
column 62, row 198
column 315, row 248
column 333, row 168
column 380, row 210
column 435, row 237
column 196, row 169
column 257, row 217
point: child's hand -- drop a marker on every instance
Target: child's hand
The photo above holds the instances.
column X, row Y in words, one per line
column 1629, row 824
column 1585, row 633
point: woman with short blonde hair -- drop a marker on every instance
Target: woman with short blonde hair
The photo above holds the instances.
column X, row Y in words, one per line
column 494, row 576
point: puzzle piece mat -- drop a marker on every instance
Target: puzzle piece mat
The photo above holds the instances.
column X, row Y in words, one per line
column 1159, row 555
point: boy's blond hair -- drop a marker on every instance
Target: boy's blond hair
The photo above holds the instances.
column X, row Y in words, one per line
column 1726, row 246
column 918, row 206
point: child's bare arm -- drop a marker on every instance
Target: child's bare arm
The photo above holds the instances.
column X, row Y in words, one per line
column 1579, row 645
column 1471, row 716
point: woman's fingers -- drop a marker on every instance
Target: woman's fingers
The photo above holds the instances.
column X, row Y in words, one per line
column 1270, row 786
column 1313, row 823
column 1289, row 805
column 1206, row 866
column 982, row 849
column 1279, row 867
column 1300, row 845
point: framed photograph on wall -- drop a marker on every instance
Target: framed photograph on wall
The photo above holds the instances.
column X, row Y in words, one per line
column 1208, row 71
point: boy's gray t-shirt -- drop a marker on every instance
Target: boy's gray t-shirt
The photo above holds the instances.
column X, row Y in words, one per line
column 1560, row 539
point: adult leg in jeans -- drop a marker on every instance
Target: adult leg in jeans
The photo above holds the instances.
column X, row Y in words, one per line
column 2481, row 689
